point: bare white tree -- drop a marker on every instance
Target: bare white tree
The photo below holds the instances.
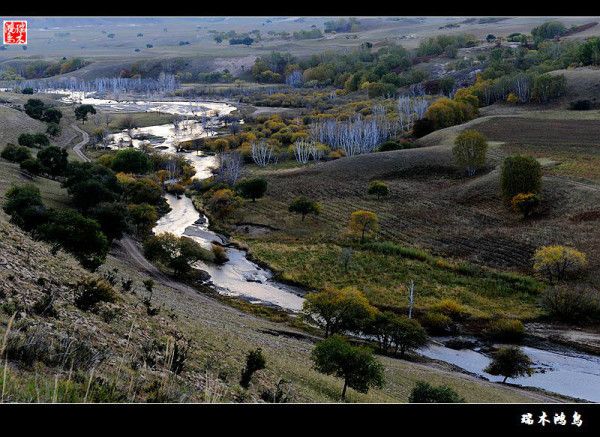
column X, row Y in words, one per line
column 262, row 153
column 303, row 150
column 229, row 167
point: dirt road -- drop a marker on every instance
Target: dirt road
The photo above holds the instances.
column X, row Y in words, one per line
column 78, row 146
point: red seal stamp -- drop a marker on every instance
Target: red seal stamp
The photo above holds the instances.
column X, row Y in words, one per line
column 15, row 32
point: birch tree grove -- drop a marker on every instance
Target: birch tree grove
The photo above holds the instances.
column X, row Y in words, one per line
column 410, row 110
column 355, row 136
column 302, row 151
column 229, row 169
column 165, row 83
column 262, row 153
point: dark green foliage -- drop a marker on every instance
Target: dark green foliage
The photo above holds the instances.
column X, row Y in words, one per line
column 52, row 116
column 82, row 111
column 34, row 108
column 356, row 365
column 396, row 333
column 510, row 362
column 24, row 205
column 252, row 188
column 53, row 160
column 378, row 188
column 77, row 234
column 304, row 206
column 131, row 161
column 38, row 140
column 89, row 193
column 27, row 90
column 255, row 361
column 15, row 153
column 547, row 30
column 37, row 109
column 390, row 145
column 426, row 393
column 112, row 217
column 53, row 129
column 520, row 174
column 142, row 218
column 90, row 291
column 32, row 166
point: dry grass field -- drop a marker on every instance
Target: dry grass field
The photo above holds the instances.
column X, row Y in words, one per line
column 430, row 206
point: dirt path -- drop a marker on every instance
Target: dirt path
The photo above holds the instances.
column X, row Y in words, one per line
column 132, row 250
column 78, row 146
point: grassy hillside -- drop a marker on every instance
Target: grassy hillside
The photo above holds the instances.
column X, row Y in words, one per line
column 118, row 352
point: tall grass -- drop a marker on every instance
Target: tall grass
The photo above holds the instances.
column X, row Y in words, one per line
column 517, row 281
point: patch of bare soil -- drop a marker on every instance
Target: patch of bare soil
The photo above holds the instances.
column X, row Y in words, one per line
column 535, row 131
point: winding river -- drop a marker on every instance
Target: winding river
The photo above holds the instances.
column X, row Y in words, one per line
column 560, row 370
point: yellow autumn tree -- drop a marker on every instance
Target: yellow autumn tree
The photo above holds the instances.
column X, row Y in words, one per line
column 558, row 262
column 363, row 224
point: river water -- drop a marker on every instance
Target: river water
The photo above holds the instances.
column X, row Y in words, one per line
column 562, row 370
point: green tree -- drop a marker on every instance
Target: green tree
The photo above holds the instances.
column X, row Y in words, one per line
column 304, row 206
column 52, row 116
column 77, row 234
column 89, row 193
column 407, row 334
column 338, row 310
column 31, row 166
column 142, row 217
column 38, row 140
column 53, row 160
column 510, row 362
column 15, row 153
column 378, row 188
column 423, row 392
column 82, row 111
column 520, row 174
column 112, row 217
column 470, row 149
column 356, row 365
column 24, row 205
column 252, row 188
column 34, row 108
column 131, row 160
column 547, row 30
column 255, row 361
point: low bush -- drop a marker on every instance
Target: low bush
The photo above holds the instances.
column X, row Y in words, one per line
column 220, row 254
column 505, row 330
column 452, row 309
column 426, row 393
column 572, row 303
column 525, row 203
column 90, row 291
column 436, row 323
